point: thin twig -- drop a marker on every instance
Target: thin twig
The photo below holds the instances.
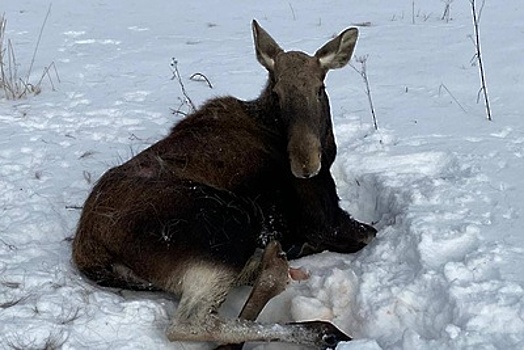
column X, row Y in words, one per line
column 413, row 12
column 443, row 86
column 3, row 23
column 292, row 11
column 46, row 73
column 179, row 109
column 483, row 85
column 446, row 15
column 176, row 74
column 201, row 77
column 363, row 73
column 13, row 84
column 38, row 42
column 74, row 207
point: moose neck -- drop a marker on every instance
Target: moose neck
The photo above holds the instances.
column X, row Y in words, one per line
column 266, row 109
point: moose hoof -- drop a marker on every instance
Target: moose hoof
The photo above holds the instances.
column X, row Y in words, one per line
column 365, row 233
column 230, row 347
column 326, row 335
column 352, row 235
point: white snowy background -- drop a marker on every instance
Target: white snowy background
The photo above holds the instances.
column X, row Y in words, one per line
column 444, row 186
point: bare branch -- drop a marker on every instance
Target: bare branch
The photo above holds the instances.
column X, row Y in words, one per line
column 478, row 53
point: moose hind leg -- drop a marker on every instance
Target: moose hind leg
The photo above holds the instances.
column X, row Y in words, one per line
column 203, row 288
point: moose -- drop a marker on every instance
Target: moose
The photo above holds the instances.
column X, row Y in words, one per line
column 234, row 190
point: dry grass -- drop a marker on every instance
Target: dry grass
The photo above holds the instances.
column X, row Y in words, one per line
column 13, row 85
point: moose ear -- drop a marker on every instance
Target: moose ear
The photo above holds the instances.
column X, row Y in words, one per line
column 265, row 47
column 337, row 52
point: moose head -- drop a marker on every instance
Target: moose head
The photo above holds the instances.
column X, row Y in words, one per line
column 297, row 81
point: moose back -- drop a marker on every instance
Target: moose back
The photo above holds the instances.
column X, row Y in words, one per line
column 189, row 214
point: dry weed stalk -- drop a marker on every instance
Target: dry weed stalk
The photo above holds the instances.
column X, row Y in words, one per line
column 446, row 15
column 14, row 86
column 362, row 60
column 186, row 101
column 176, row 75
column 478, row 55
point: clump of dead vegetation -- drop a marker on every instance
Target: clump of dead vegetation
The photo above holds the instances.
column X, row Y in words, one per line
column 14, row 85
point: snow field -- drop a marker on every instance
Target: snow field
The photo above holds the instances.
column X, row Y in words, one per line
column 443, row 186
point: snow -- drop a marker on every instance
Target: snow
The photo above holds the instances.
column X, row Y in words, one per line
column 443, row 185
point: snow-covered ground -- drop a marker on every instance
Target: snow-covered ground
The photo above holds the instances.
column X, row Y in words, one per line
column 444, row 186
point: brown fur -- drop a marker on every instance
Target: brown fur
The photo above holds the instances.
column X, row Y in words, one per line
column 188, row 214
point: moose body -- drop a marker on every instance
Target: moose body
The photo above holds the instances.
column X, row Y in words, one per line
column 190, row 214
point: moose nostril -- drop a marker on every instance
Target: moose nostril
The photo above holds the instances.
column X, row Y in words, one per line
column 308, row 172
column 304, row 170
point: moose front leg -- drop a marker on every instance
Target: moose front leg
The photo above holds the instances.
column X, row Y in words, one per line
column 322, row 221
column 271, row 281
